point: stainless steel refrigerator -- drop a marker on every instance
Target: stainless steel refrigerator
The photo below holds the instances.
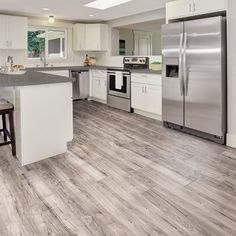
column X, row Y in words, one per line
column 194, row 77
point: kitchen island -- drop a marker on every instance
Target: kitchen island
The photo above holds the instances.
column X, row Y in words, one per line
column 43, row 113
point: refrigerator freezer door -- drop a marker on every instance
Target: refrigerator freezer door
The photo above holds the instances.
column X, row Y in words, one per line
column 204, row 75
column 172, row 76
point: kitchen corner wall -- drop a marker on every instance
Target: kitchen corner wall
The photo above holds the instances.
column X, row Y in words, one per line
column 231, row 25
column 106, row 58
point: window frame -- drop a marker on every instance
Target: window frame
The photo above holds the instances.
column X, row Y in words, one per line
column 46, row 29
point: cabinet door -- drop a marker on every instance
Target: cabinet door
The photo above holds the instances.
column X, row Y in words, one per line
column 17, row 32
column 93, row 38
column 178, row 9
column 103, row 85
column 3, row 30
column 138, row 96
column 96, row 88
column 153, row 99
column 207, row 6
column 79, row 37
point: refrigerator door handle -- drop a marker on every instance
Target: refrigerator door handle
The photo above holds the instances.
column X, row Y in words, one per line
column 185, row 65
column 181, row 64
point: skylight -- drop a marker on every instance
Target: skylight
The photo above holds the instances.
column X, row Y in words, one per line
column 105, row 4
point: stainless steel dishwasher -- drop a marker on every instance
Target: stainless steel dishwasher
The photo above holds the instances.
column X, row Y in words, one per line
column 81, row 84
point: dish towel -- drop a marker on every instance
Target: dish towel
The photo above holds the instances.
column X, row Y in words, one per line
column 119, row 80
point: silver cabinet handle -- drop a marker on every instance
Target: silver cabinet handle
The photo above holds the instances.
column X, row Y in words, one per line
column 190, row 7
column 194, row 6
column 99, row 82
column 143, row 89
column 181, row 83
column 185, row 64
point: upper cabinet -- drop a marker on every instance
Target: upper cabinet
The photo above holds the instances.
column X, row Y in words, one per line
column 90, row 37
column 13, row 32
column 186, row 8
column 79, row 37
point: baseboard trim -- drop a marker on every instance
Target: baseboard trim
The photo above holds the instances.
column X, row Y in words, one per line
column 97, row 100
column 148, row 114
column 231, row 140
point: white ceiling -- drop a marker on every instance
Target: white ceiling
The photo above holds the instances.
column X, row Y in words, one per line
column 74, row 9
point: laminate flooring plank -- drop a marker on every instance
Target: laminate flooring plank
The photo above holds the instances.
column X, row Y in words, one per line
column 123, row 175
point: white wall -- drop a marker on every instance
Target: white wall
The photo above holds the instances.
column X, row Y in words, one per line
column 106, row 58
column 128, row 36
column 156, row 42
column 231, row 20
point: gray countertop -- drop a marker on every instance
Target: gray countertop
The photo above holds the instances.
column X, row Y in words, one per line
column 31, row 77
column 34, row 77
column 148, row 71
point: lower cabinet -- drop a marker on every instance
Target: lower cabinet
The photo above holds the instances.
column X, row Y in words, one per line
column 146, row 93
column 98, row 88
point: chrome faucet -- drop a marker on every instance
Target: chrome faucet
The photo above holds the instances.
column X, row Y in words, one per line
column 43, row 59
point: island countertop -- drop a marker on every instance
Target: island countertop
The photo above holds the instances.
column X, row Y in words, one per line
column 32, row 77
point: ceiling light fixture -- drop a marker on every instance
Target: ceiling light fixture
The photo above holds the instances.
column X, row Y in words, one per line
column 51, row 20
column 46, row 9
column 91, row 15
column 105, row 4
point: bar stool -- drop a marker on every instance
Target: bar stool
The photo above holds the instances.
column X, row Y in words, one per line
column 7, row 108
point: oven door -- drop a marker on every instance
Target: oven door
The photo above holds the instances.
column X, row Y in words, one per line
column 121, row 90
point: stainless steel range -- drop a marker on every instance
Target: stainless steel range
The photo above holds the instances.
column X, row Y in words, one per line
column 119, row 82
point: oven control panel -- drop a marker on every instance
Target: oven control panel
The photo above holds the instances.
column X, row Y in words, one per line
column 136, row 60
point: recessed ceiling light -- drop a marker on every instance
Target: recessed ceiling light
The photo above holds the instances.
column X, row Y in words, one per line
column 105, row 4
column 46, row 9
column 91, row 15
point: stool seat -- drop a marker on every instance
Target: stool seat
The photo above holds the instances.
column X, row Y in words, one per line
column 5, row 105
column 6, row 109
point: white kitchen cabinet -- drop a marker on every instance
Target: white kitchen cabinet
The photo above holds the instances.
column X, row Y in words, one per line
column 17, row 32
column 208, row 6
column 146, row 93
column 153, row 99
column 186, row 8
column 13, row 32
column 79, row 37
column 3, row 30
column 96, row 37
column 98, row 90
column 178, row 9
column 138, row 96
column 90, row 37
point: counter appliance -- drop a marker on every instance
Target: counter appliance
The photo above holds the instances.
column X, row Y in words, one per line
column 119, row 82
column 81, row 84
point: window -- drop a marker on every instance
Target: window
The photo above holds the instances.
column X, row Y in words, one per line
column 48, row 42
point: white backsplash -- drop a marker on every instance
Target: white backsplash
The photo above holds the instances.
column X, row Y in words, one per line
column 104, row 59
column 74, row 59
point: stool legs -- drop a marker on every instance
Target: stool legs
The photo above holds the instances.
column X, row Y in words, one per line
column 4, row 126
column 12, row 133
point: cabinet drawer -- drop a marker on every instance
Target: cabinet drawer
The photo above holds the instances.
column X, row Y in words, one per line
column 154, row 79
column 99, row 73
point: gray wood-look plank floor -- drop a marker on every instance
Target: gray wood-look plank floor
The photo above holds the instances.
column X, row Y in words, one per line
column 123, row 175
